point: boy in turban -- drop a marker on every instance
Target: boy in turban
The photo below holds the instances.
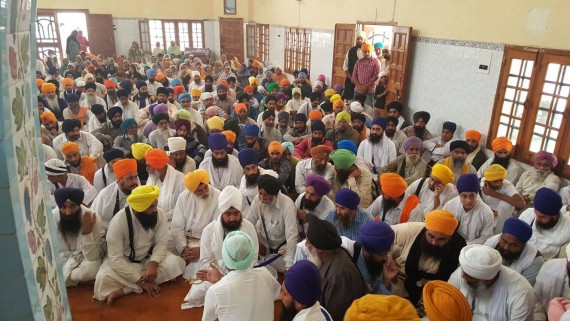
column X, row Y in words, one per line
column 542, row 175
column 502, row 148
column 395, row 205
column 166, row 177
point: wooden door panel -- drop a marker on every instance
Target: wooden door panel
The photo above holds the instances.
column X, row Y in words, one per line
column 101, row 35
column 231, row 37
column 343, row 41
column 399, row 53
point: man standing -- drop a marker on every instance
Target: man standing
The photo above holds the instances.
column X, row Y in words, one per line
column 318, row 164
column 437, row 148
column 85, row 166
column 418, row 129
column 178, row 158
column 348, row 175
column 541, row 176
column 456, row 160
column 352, row 56
column 502, row 148
column 88, row 144
column 224, row 169
column 166, row 177
column 395, row 205
column 79, row 236
column 436, row 190
column 195, row 208
column 494, row 292
column 365, row 74
column 410, row 165
column 348, row 218
column 377, row 148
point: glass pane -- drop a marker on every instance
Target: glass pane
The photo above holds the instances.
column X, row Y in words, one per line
column 535, row 144
column 550, row 142
column 556, row 120
column 548, row 87
column 169, row 33
column 566, row 75
column 561, row 104
column 510, row 94
column 525, row 83
column 542, row 115
column 528, row 65
column 507, row 107
column 502, row 130
column 564, row 90
column 552, row 72
column 513, row 81
column 515, row 66
column 155, row 27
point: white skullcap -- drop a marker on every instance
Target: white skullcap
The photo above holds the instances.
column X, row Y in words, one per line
column 230, row 197
column 79, row 82
column 382, row 74
column 176, row 144
column 55, row 167
column 480, row 262
column 206, row 95
column 261, row 89
column 356, row 107
column 361, row 33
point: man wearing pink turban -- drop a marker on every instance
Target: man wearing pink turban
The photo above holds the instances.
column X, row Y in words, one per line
column 542, row 175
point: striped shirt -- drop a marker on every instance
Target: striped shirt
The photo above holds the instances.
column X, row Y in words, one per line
column 353, row 230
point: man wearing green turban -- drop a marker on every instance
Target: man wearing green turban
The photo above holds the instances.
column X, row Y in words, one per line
column 351, row 176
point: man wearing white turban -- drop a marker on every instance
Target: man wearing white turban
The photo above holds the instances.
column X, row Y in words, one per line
column 212, row 266
column 493, row 291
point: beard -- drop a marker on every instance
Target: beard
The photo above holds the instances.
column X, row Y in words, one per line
column 53, row 103
column 412, row 159
column 457, row 164
column 251, row 180
column 321, row 171
column 222, row 97
column 375, row 139
column 147, row 220
column 180, row 163
column 432, row 250
column 288, row 313
column 546, row 226
column 374, row 268
column 208, row 88
column 310, row 205
column 345, row 220
column 165, row 132
column 112, row 95
column 231, row 226
column 358, row 128
column 116, row 124
column 390, row 132
column 314, row 258
column 342, row 176
column 539, row 177
column 388, row 204
column 316, row 141
column 143, row 95
column 508, row 256
column 91, row 100
column 69, row 225
column 223, row 162
column 503, row 161
column 419, row 131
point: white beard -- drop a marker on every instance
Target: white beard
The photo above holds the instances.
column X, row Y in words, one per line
column 313, row 257
column 53, row 103
column 165, row 133
column 91, row 100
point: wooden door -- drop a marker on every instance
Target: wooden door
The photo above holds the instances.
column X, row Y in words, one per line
column 399, row 53
column 101, row 36
column 343, row 41
column 231, row 38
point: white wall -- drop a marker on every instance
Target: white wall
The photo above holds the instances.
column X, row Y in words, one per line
column 277, row 46
column 126, row 31
column 322, row 44
column 212, row 36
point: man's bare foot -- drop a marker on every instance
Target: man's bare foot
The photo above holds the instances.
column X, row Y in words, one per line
column 114, row 296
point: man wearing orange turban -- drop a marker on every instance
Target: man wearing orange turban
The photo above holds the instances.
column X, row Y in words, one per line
column 195, row 208
column 428, row 251
column 317, row 164
column 166, row 177
column 365, row 74
column 85, row 166
column 277, row 163
column 444, row 302
column 477, row 157
column 395, row 205
column 503, row 148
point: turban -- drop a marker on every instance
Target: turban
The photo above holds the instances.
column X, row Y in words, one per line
column 460, row 144
column 441, row 221
column 127, row 85
column 175, row 82
column 238, row 251
column 158, row 117
column 320, row 151
column 444, row 302
column 393, row 185
column 343, row 115
column 549, row 157
column 302, row 74
column 176, row 144
column 380, row 121
column 159, row 109
column 317, row 125
column 501, row 143
column 269, row 184
column 381, row 307
column 338, row 104
column 366, row 47
column 338, row 89
column 442, row 173
column 275, row 146
column 322, row 234
column 196, row 92
column 359, row 117
column 160, row 77
column 397, row 106
column 217, row 141
column 183, row 96
column 97, row 109
column 334, row 98
column 361, row 34
column 451, row 126
column 314, row 96
column 151, row 72
column 247, row 156
column 412, row 141
column 230, row 135
column 378, row 45
column 113, row 111
column 248, row 89
column 161, row 90
column 322, row 77
column 480, row 262
column 182, row 122
column 127, row 124
column 193, row 179
column 313, row 115
column 518, row 228
column 303, row 282
column 547, row 201
column 48, row 115
column 178, row 90
column 215, row 123
column 283, row 115
column 68, row 81
column 79, row 83
column 75, row 195
column 182, row 114
column 90, row 85
column 251, row 130
column 156, row 158
column 55, row 167
column 348, row 145
column 473, row 134
column 268, row 113
column 71, row 98
column 212, row 110
column 343, row 158
column 230, row 197
column 347, row 198
column 123, row 167
column 468, row 183
column 319, row 184
column 284, row 82
column 88, row 76
column 109, row 84
column 52, row 70
column 69, row 125
column 122, row 93
column 221, row 87
column 421, row 114
column 241, row 106
column 329, row 92
column 139, row 150
column 48, row 87
column 301, row 117
column 252, row 81
column 495, row 172
column 69, row 147
column 40, row 82
column 289, row 146
column 376, row 237
column 140, row 84
column 356, row 107
column 142, row 197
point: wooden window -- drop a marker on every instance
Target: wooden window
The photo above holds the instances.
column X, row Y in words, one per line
column 47, row 34
column 297, row 49
column 198, row 34
column 250, row 40
column 146, row 40
column 230, row 7
column 257, row 40
column 531, row 106
column 186, row 33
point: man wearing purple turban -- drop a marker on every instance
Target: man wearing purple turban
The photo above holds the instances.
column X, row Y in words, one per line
column 542, row 175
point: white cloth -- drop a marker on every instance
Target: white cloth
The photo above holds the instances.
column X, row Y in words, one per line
column 392, row 216
column 301, row 249
column 157, row 140
column 475, row 225
column 96, row 100
column 153, row 87
column 304, row 168
column 325, row 206
column 510, row 298
column 313, row 313
column 379, row 154
column 530, row 181
column 130, row 110
column 433, row 153
column 117, row 272
column 189, row 166
column 549, row 242
column 93, row 124
column 88, row 145
column 426, row 195
column 249, row 193
column 504, row 210
column 75, row 181
column 170, row 188
column 49, row 153
column 104, row 205
column 257, row 290
column 551, row 282
column 514, row 171
column 398, row 140
column 98, row 181
column 565, row 194
column 222, row 177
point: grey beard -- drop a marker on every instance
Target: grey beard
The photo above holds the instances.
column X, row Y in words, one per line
column 165, row 133
column 53, row 103
column 91, row 100
column 458, row 164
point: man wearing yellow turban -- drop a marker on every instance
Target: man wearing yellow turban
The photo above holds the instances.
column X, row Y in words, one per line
column 395, row 205
column 162, row 174
column 428, row 251
column 148, row 263
column 381, row 307
column 436, row 190
column 502, row 148
column 443, row 302
column 342, row 130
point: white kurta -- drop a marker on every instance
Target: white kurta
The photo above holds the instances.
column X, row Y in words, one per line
column 313, row 313
column 551, row 282
column 426, row 195
column 326, row 205
column 565, row 194
column 530, row 182
column 475, row 225
column 157, row 140
column 392, row 216
column 398, row 140
column 304, row 168
column 257, row 290
column 96, row 100
column 75, row 181
column 104, row 204
column 433, row 153
column 79, row 254
column 379, row 154
column 514, row 171
column 98, row 181
column 510, row 298
column 549, row 242
column 93, row 124
column 170, row 188
column 88, row 145
column 49, row 153
column 222, row 177
column 504, row 210
column 130, row 110
column 249, row 193
column 117, row 272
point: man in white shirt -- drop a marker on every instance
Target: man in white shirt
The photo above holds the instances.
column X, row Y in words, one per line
column 105, row 175
column 436, row 190
column 502, row 148
column 542, row 175
column 58, row 177
column 377, row 147
column 130, row 108
column 394, row 134
column 88, row 144
column 224, row 169
column 317, row 164
column 158, row 138
column 152, row 83
column 137, row 257
column 161, row 174
column 91, row 97
column 177, row 152
column 437, row 148
column 314, row 200
column 551, row 282
column 251, row 171
column 395, row 205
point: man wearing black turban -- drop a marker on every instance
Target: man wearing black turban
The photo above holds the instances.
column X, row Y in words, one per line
column 421, row 118
column 88, row 144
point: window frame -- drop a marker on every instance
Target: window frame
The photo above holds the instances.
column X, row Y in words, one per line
column 297, row 49
column 176, row 33
column 257, row 41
